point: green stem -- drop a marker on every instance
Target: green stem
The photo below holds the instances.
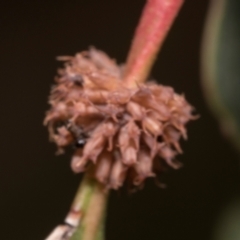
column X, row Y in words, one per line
column 90, row 203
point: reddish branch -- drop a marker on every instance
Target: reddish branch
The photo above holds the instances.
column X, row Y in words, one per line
column 155, row 22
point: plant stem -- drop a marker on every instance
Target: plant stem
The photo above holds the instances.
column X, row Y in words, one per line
column 155, row 22
column 90, row 202
column 88, row 208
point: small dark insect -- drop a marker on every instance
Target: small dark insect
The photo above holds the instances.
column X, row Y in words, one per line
column 79, row 135
column 77, row 79
column 80, row 142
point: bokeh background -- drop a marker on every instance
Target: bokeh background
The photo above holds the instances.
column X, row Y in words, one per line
column 37, row 187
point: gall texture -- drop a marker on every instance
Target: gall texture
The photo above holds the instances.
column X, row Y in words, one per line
column 122, row 134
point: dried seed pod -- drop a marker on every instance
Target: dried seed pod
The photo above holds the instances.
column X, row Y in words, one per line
column 123, row 133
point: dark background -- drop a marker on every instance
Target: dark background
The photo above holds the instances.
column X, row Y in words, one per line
column 37, row 187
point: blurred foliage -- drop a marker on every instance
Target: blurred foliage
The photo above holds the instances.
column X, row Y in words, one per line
column 221, row 65
column 221, row 84
column 228, row 226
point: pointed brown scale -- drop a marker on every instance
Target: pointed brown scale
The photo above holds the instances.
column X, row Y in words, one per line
column 182, row 113
column 105, row 82
column 152, row 126
column 95, row 144
column 134, row 133
column 88, row 123
column 156, row 115
column 118, row 172
column 58, row 93
column 123, row 138
column 179, row 126
column 94, row 147
column 64, row 137
column 58, row 112
column 151, row 142
column 134, row 183
column 168, row 155
column 145, row 98
column 143, row 91
column 73, row 78
column 129, row 156
column 103, row 166
column 161, row 93
column 82, row 109
column 180, row 102
column 141, row 96
column 128, row 141
column 102, row 61
column 111, row 110
column 96, row 97
column 75, row 95
column 121, row 96
column 78, row 162
column 88, row 83
column 182, row 108
column 110, row 129
column 135, row 110
column 143, row 167
column 86, row 127
column 171, row 135
column 81, row 62
column 183, row 119
column 161, row 108
column 129, row 132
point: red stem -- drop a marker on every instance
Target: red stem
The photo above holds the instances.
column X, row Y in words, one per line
column 155, row 22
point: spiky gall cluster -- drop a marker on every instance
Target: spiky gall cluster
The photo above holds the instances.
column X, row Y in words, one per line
column 122, row 134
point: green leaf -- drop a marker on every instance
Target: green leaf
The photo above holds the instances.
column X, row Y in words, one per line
column 228, row 224
column 221, row 65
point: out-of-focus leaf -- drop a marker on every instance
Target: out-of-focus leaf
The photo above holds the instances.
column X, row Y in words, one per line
column 221, row 64
column 228, row 225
